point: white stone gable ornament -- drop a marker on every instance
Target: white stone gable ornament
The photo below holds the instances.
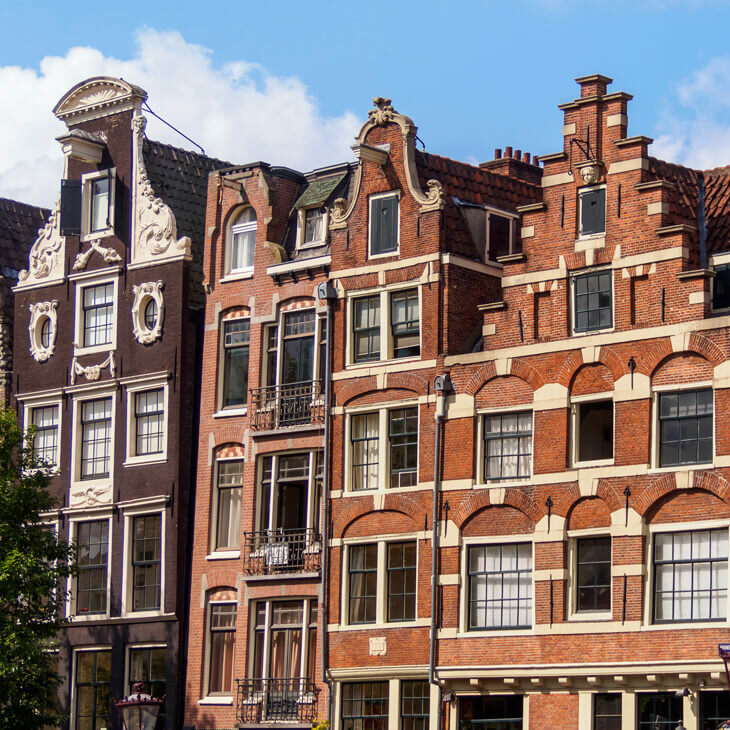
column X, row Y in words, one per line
column 45, row 260
column 109, row 255
column 155, row 228
column 42, row 329
column 148, row 295
column 92, row 372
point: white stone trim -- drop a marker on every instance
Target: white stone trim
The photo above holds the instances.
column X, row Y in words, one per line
column 39, row 313
column 143, row 295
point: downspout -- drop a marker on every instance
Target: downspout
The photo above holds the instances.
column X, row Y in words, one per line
column 327, row 292
column 442, row 386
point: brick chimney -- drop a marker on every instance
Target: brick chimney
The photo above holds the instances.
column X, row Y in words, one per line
column 514, row 164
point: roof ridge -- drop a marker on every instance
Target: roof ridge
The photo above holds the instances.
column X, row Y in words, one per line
column 201, row 155
column 25, row 205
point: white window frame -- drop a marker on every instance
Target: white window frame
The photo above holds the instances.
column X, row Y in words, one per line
column 133, row 389
column 213, row 551
column 383, row 410
column 468, row 542
column 81, row 283
column 381, row 600
column 513, row 238
column 379, row 196
column 482, row 478
column 575, row 403
column 386, row 335
column 222, row 410
column 76, row 442
column 147, row 510
column 50, row 399
column 76, row 651
column 573, row 538
column 246, row 272
column 73, row 523
column 658, row 390
column 576, row 275
column 128, row 648
column 217, row 698
column 301, row 227
column 581, row 192
column 648, row 612
column 87, row 181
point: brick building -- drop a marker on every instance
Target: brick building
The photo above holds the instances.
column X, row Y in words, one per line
column 255, row 635
column 108, row 318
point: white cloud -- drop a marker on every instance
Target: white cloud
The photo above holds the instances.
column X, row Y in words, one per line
column 696, row 132
column 237, row 111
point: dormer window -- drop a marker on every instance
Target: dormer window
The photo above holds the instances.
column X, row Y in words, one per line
column 98, row 204
column 592, row 211
column 242, row 242
column 87, row 205
column 313, row 223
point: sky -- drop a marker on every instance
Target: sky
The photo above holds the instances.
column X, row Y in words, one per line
column 291, row 82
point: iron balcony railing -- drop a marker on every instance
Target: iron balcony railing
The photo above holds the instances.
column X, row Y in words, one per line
column 289, row 699
column 284, row 406
column 269, row 552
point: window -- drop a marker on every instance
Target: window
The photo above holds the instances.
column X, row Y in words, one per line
column 46, row 330
column 685, row 427
column 405, row 323
column 99, row 204
column 659, row 711
column 87, row 205
column 98, row 315
column 714, row 709
column 393, row 432
column 365, row 705
column 235, row 362
column 92, row 539
column 592, row 211
column 592, row 301
column 721, row 286
column 285, row 640
column 242, row 242
column 222, row 643
column 363, row 572
column 690, row 575
column 93, row 689
column 386, row 326
column 607, row 711
column 381, row 582
column 594, row 430
column 500, row 586
column 314, row 226
column 366, row 329
column 414, row 704
column 493, row 712
column 500, row 235
column 228, row 507
column 147, row 665
column 507, row 445
column 593, row 574
column 151, row 311
column 384, row 224
column 401, row 569
column 149, row 419
column 146, row 563
column 96, row 429
column 45, row 441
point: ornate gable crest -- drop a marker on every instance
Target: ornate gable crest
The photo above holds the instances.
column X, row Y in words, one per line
column 97, row 97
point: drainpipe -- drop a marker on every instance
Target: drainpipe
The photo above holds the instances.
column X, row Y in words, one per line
column 442, row 386
column 326, row 291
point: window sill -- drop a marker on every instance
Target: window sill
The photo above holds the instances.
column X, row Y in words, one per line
column 376, row 363
column 488, row 633
column 348, row 492
column 83, row 617
column 387, row 254
column 216, row 701
column 417, row 623
column 311, row 244
column 684, row 625
column 224, row 555
column 236, row 276
column 682, row 467
column 227, row 413
column 588, row 333
column 500, row 483
column 94, row 350
column 143, row 614
column 592, row 464
column 96, row 235
column 143, row 460
column 587, row 617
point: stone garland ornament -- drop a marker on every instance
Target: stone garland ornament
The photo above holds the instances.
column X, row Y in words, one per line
column 109, row 255
column 42, row 313
column 155, row 228
column 144, row 294
column 88, row 496
column 45, row 260
column 92, row 372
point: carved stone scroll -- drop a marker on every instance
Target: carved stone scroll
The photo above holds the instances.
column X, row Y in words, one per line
column 92, row 372
column 45, row 260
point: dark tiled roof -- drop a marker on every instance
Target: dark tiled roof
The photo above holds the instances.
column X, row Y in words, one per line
column 474, row 185
column 19, row 224
column 717, row 208
column 318, row 191
column 180, row 178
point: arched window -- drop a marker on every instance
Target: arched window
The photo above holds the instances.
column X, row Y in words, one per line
column 241, row 242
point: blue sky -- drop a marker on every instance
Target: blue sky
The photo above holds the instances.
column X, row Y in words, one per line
column 290, row 82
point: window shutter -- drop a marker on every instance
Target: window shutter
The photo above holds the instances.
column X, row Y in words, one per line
column 376, row 226
column 70, row 207
column 593, row 212
column 384, row 224
column 111, row 207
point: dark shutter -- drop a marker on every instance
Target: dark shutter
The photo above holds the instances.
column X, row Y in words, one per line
column 499, row 230
column 384, row 224
column 70, row 207
column 593, row 212
column 111, row 206
column 721, row 287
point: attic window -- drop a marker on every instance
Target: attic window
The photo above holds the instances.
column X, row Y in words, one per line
column 87, row 205
column 721, row 287
column 592, row 211
column 500, row 235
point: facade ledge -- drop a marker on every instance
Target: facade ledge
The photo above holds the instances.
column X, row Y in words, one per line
column 224, row 555
column 492, row 306
column 230, row 413
column 304, row 428
column 298, row 265
column 240, row 276
column 696, row 274
column 281, row 577
column 672, row 230
column 655, row 185
column 638, row 139
column 216, row 701
column 513, row 258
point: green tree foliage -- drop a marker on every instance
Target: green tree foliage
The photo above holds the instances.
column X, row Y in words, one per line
column 34, row 565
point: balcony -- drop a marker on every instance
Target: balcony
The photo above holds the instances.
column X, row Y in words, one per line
column 273, row 552
column 290, row 699
column 286, row 406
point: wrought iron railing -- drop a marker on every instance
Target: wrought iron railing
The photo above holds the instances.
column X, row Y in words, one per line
column 269, row 552
column 290, row 699
column 284, row 406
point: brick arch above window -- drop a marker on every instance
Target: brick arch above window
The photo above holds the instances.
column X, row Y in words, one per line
column 591, row 378
column 588, row 512
column 220, row 592
column 682, row 367
column 499, row 519
column 236, row 313
column 380, row 522
column 364, row 391
column 504, row 391
column 298, row 297
column 667, row 484
column 485, row 498
column 230, row 451
column 517, row 368
column 687, row 505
